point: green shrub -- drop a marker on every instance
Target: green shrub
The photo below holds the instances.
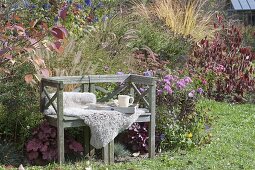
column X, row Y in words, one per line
column 9, row 155
column 180, row 123
column 163, row 42
column 19, row 105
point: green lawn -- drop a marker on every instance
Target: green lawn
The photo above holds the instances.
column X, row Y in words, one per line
column 232, row 146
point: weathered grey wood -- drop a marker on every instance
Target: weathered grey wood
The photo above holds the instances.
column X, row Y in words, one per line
column 60, row 127
column 73, row 123
column 143, row 95
column 106, row 154
column 92, row 151
column 89, row 81
column 131, row 109
column 108, row 78
column 137, row 79
column 139, row 93
column 52, row 103
column 92, row 88
column 152, row 124
column 111, row 152
column 42, row 97
column 52, row 119
column 86, row 136
column 84, row 87
column 69, row 79
column 114, row 93
column 98, row 88
column 48, row 82
column 131, row 91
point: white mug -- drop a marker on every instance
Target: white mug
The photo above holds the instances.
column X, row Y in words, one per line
column 125, row 100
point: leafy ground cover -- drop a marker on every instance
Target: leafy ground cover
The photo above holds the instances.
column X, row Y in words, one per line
column 232, row 145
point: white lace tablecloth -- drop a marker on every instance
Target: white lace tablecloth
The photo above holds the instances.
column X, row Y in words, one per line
column 105, row 125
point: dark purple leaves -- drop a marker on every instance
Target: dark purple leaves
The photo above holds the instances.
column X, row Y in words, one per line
column 75, row 146
column 43, row 144
column 137, row 137
column 33, row 155
column 50, row 155
column 33, row 145
column 225, row 64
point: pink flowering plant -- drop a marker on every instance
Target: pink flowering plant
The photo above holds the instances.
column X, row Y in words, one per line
column 179, row 121
column 41, row 148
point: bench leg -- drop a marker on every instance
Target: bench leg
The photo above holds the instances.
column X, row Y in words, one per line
column 88, row 149
column 86, row 135
column 111, row 152
column 108, row 153
column 61, row 148
column 151, row 140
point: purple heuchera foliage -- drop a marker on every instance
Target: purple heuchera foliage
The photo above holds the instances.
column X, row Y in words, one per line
column 138, row 137
column 43, row 144
column 50, row 155
column 33, row 145
column 33, row 155
column 75, row 146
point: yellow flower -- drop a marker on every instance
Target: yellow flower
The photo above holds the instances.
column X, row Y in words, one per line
column 189, row 135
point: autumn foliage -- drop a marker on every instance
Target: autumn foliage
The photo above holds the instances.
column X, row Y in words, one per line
column 20, row 35
column 225, row 63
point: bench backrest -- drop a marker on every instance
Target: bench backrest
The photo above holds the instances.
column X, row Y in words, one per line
column 93, row 83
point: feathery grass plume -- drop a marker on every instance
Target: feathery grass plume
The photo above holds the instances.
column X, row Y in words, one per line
column 140, row 9
column 185, row 17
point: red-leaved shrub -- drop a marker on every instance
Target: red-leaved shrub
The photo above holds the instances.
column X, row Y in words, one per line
column 225, row 63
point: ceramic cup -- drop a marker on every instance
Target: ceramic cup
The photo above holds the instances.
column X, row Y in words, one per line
column 125, row 100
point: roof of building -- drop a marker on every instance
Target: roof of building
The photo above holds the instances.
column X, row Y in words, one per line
column 243, row 5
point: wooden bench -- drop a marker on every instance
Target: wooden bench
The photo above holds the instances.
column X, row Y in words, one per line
column 126, row 83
